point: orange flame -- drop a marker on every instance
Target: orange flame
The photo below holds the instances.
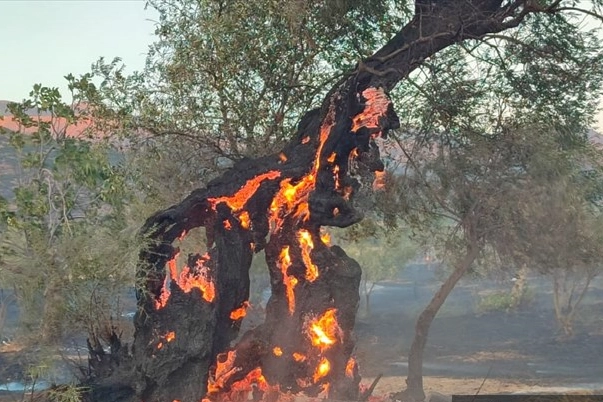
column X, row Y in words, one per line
column 239, row 312
column 237, row 201
column 277, row 351
column 253, row 378
column 307, row 245
column 227, row 224
column 244, row 219
column 165, row 290
column 292, row 199
column 187, row 281
column 325, row 237
column 350, row 367
column 170, row 336
column 298, row 357
column 224, row 370
column 322, row 370
column 336, row 177
column 325, row 331
column 376, row 106
column 288, row 281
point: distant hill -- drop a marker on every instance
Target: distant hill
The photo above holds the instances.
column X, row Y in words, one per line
column 4, row 109
column 72, row 130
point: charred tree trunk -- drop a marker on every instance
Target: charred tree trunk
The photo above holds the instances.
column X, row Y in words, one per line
column 190, row 307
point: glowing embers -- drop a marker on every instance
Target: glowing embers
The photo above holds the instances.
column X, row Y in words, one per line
column 325, row 237
column 292, row 197
column 288, row 280
column 324, row 331
column 351, row 367
column 225, row 369
column 307, row 245
column 187, row 280
column 239, row 312
column 322, row 369
column 375, row 107
column 167, row 338
column 220, row 384
column 237, row 202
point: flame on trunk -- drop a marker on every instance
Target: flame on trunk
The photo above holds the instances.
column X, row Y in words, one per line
column 225, row 369
column 375, row 108
column 292, row 198
column 289, row 281
column 350, row 367
column 187, row 280
column 306, row 244
column 240, row 312
column 324, row 331
column 322, row 370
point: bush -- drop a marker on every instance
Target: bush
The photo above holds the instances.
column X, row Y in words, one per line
column 503, row 301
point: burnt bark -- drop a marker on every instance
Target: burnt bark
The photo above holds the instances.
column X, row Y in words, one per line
column 184, row 327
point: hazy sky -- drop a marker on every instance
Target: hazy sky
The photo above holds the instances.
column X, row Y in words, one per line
column 44, row 40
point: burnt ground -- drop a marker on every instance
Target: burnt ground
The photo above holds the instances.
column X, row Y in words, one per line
column 467, row 349
column 522, row 348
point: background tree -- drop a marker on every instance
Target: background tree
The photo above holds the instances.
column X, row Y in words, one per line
column 479, row 118
column 65, row 240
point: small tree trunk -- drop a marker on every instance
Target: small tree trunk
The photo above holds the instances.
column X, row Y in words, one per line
column 563, row 299
column 52, row 311
column 367, row 298
column 414, row 380
column 519, row 287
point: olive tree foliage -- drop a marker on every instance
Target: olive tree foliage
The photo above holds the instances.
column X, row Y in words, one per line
column 231, row 79
column 65, row 245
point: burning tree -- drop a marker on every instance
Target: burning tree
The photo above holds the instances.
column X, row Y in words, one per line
column 195, row 310
column 191, row 306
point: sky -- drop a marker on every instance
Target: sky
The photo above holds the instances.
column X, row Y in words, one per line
column 44, row 40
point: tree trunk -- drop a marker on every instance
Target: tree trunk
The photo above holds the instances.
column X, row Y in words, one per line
column 519, row 287
column 564, row 300
column 53, row 310
column 414, row 380
column 190, row 312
